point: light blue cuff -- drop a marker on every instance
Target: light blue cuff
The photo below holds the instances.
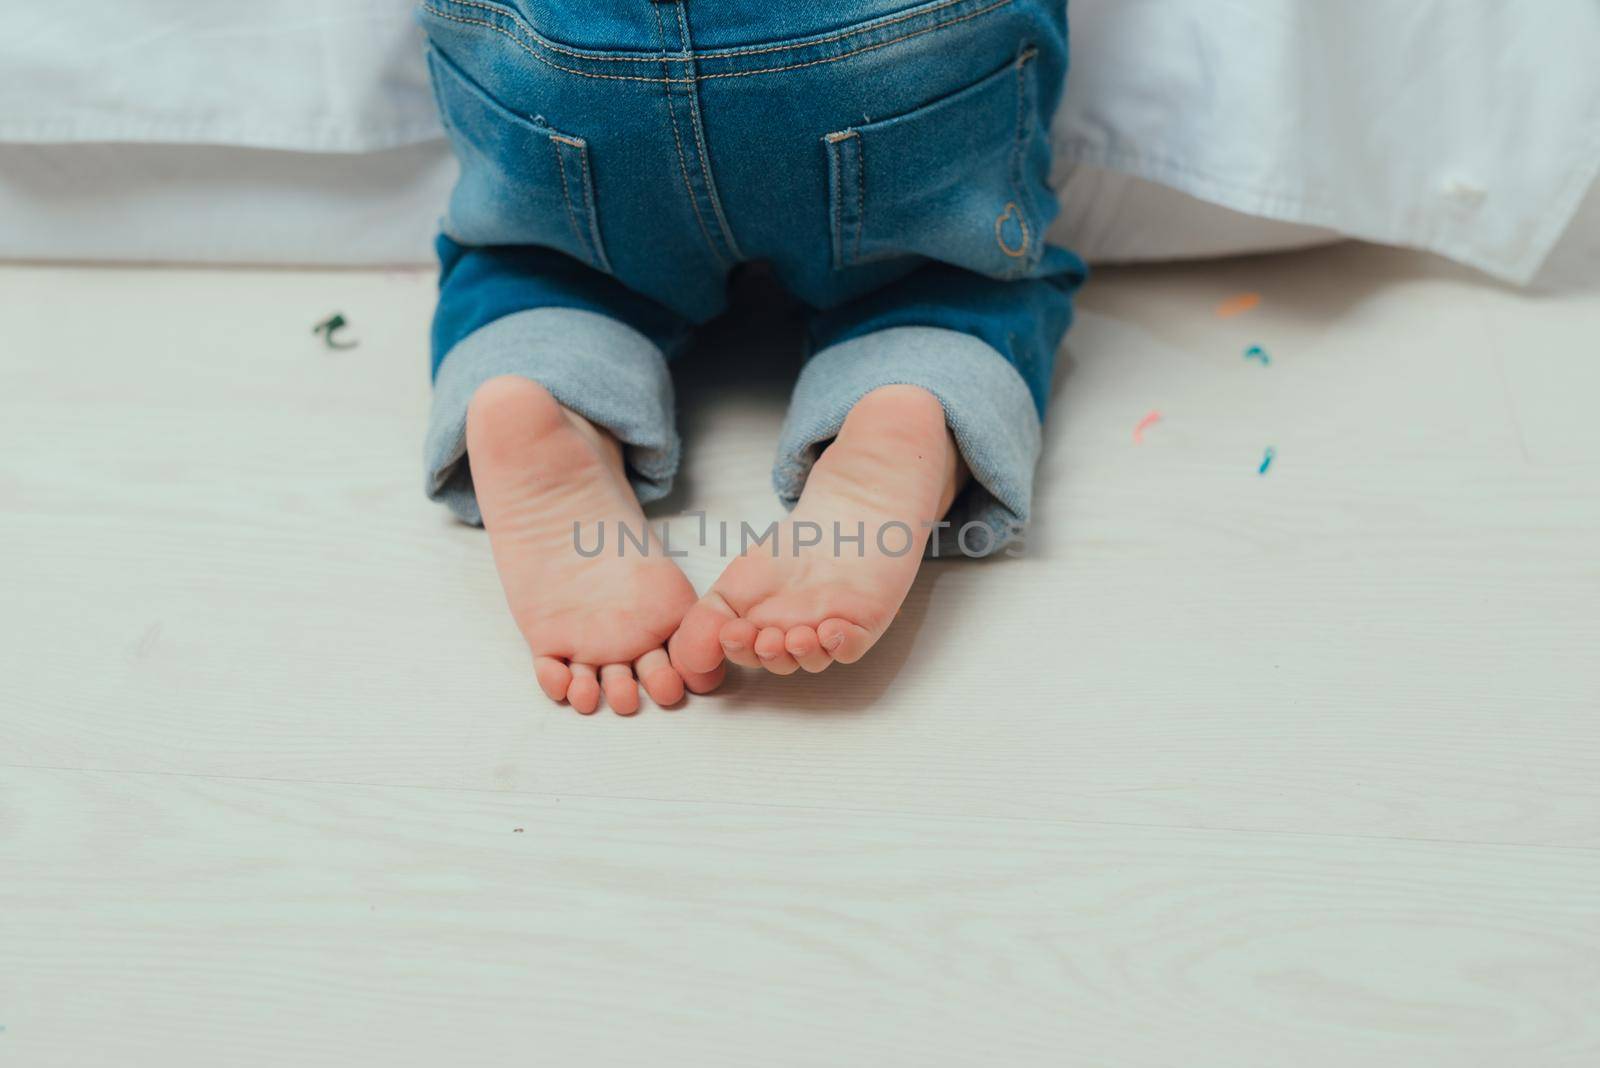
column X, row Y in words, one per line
column 604, row 370
column 986, row 403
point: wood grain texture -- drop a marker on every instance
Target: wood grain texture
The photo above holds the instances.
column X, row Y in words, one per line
column 224, row 566
column 1226, row 769
column 189, row 920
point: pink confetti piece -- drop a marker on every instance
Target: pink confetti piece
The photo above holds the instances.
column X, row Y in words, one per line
column 1145, row 423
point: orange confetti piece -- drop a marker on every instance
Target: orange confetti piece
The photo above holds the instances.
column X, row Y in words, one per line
column 1238, row 305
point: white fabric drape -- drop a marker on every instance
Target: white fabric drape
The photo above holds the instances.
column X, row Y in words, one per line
column 1467, row 127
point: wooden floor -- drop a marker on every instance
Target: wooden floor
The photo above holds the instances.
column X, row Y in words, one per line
column 1296, row 768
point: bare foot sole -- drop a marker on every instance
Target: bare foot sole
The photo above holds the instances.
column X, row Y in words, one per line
column 890, row 474
column 597, row 624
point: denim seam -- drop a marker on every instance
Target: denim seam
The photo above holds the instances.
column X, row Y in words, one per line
column 1019, row 161
column 677, row 140
column 905, row 16
column 602, row 261
column 864, row 48
column 721, row 53
column 566, row 195
column 838, row 215
column 836, row 167
column 708, row 77
column 544, row 42
column 847, row 247
column 1016, row 165
column 861, row 195
column 1019, row 140
column 700, row 141
column 520, row 43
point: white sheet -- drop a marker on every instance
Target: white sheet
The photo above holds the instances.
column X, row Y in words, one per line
column 329, row 76
column 1469, row 127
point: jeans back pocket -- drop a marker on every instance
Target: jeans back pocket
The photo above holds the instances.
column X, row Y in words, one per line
column 521, row 183
column 951, row 181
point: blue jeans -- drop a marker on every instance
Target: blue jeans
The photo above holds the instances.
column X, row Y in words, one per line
column 888, row 160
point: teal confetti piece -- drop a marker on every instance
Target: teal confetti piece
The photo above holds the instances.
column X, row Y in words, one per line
column 328, row 327
column 1266, row 461
column 1256, row 352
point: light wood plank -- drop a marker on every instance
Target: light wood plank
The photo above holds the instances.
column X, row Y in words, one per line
column 221, row 564
column 174, row 920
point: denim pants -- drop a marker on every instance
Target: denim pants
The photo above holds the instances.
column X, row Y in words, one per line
column 887, row 159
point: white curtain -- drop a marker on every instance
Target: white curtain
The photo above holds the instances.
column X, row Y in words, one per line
column 128, row 128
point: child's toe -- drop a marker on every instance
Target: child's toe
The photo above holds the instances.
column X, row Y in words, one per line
column 584, row 692
column 622, row 692
column 705, row 683
column 847, row 641
column 695, row 648
column 658, row 677
column 738, row 639
column 773, row 656
column 804, row 645
column 554, row 677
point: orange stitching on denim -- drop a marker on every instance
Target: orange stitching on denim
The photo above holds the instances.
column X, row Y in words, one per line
column 566, row 195
column 734, row 53
column 1018, row 157
column 700, row 143
column 999, row 230
column 838, row 202
column 863, row 48
column 836, row 180
column 707, row 77
column 861, row 195
column 545, row 42
column 601, row 260
column 683, row 166
column 724, row 53
column 1022, row 100
column 514, row 39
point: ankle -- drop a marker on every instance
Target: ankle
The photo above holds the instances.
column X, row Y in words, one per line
column 508, row 407
column 916, row 416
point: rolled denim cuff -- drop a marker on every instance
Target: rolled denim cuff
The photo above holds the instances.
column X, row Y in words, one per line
column 600, row 368
column 986, row 403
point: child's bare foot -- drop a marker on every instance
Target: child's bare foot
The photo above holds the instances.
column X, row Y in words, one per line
column 893, row 470
column 594, row 623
